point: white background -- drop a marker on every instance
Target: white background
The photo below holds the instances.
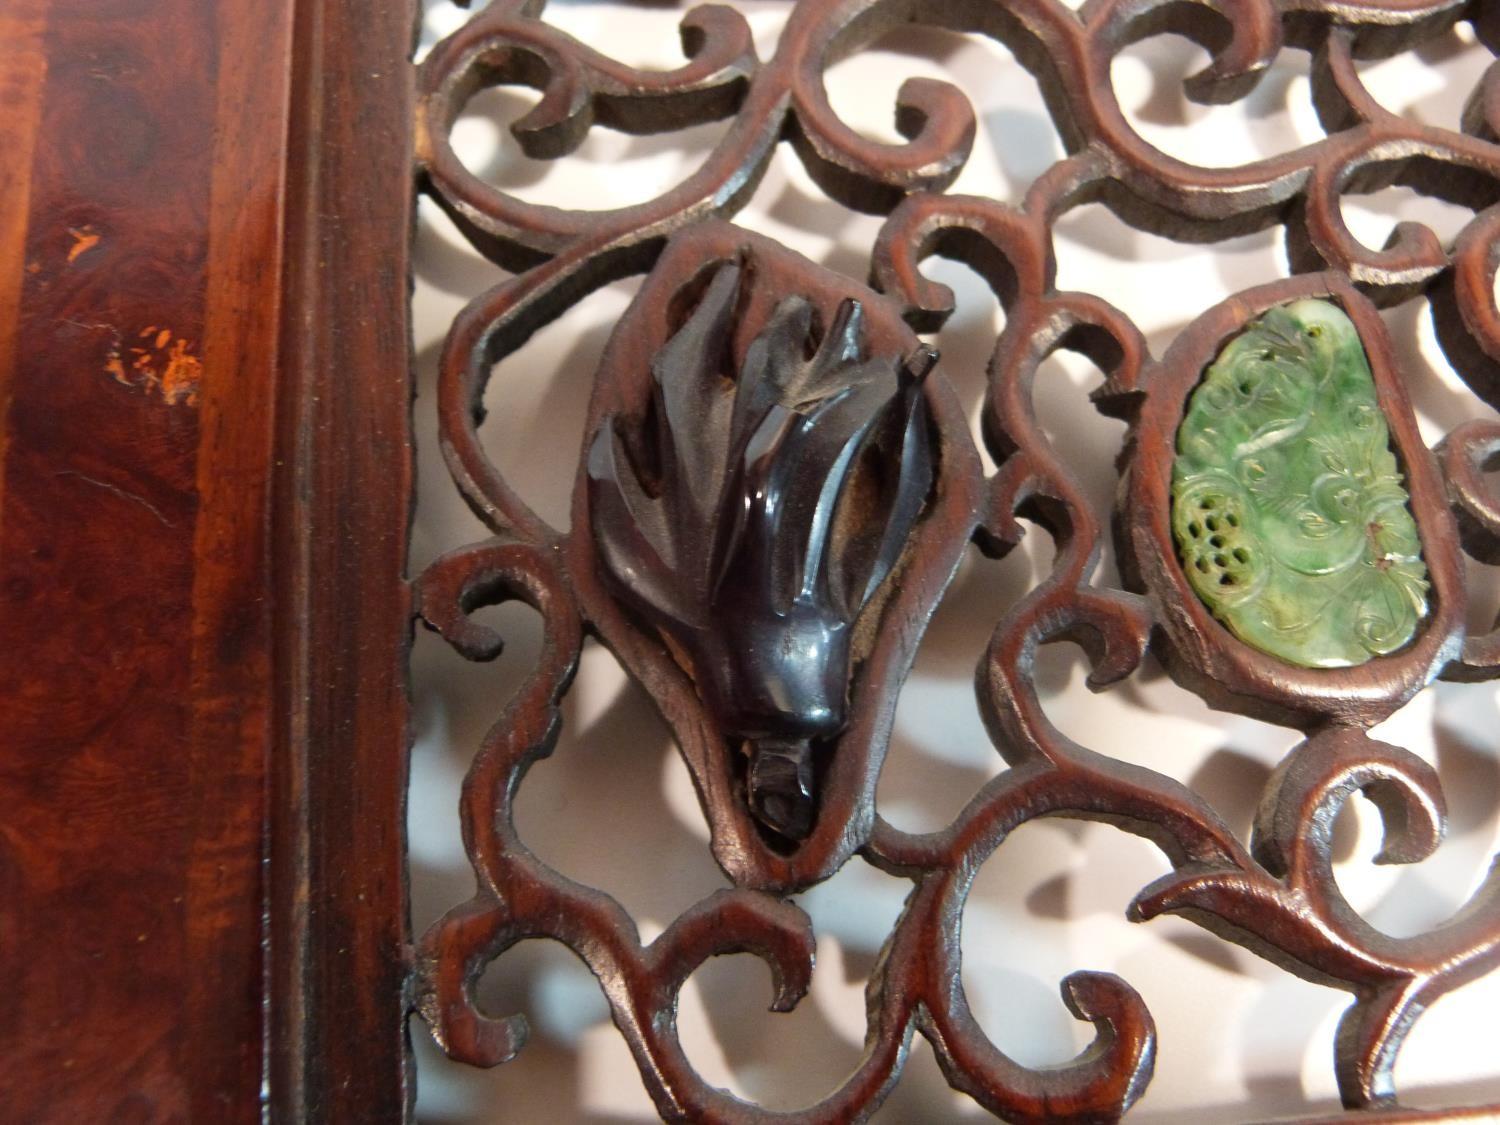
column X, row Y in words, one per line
column 614, row 807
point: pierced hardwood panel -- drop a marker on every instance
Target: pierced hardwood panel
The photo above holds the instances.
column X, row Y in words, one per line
column 661, row 570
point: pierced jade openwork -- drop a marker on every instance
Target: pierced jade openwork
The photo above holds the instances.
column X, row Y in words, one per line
column 1288, row 507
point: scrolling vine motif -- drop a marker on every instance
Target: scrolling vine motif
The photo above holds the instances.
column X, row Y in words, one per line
column 1277, row 895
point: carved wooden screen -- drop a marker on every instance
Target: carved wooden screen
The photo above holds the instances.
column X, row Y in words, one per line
column 777, row 483
column 206, row 471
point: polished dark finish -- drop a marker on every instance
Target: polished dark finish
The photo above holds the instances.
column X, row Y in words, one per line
column 691, row 331
column 751, row 519
column 339, row 943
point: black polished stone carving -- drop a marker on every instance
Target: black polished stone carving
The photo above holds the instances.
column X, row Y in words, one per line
column 750, row 519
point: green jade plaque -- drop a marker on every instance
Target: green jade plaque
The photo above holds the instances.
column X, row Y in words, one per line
column 1290, row 514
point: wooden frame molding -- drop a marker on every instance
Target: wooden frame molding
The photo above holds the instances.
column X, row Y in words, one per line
column 339, row 948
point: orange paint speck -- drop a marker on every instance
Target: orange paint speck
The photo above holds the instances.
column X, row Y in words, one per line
column 167, row 365
column 179, row 382
column 84, row 240
column 114, row 366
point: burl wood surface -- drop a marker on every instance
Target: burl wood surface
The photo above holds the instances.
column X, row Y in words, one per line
column 141, row 189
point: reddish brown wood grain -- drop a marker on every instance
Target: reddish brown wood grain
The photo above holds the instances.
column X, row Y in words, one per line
column 204, row 482
column 23, row 66
column 340, row 946
column 140, row 238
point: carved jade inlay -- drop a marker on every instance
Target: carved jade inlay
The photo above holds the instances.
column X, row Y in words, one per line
column 1289, row 510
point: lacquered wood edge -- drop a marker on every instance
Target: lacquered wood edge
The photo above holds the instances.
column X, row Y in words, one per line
column 338, row 932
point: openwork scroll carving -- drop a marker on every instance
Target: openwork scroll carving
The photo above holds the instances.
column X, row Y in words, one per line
column 745, row 377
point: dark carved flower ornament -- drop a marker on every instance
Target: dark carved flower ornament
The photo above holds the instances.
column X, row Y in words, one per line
column 751, row 515
column 775, row 487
